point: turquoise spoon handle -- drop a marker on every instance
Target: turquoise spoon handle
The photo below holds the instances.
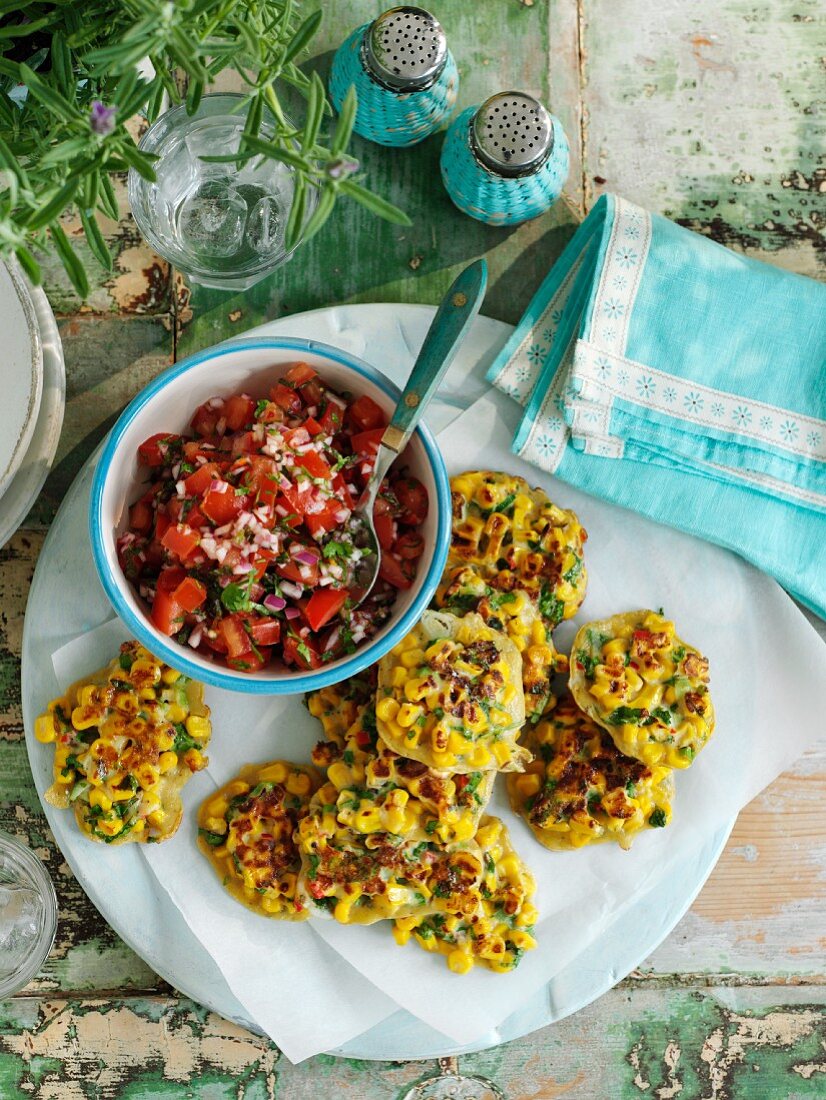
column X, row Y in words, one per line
column 453, row 317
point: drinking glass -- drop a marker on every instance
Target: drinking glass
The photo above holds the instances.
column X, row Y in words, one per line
column 223, row 225
column 28, row 915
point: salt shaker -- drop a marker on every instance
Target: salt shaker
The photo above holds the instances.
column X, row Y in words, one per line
column 405, row 76
column 506, row 160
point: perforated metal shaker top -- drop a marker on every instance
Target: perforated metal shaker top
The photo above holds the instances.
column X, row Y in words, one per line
column 512, row 133
column 405, row 48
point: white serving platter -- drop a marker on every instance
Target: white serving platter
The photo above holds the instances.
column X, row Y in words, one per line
column 66, row 600
column 22, row 371
column 43, row 432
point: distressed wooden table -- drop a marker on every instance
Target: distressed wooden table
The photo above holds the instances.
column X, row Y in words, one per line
column 706, row 112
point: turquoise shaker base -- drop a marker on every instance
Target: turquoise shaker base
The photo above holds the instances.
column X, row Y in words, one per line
column 391, row 118
column 500, row 200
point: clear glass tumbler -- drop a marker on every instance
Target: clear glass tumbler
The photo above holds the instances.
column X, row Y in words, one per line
column 223, row 225
column 28, row 915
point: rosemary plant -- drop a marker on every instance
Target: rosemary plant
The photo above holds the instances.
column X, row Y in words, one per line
column 70, row 82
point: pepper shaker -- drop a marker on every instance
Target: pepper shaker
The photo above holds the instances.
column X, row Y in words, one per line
column 506, row 160
column 405, row 76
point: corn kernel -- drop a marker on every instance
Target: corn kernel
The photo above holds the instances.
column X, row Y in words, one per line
column 167, row 761
column 194, row 760
column 83, row 718
column 198, row 725
column 412, row 658
column 408, row 714
column 501, row 752
column 460, row 961
column 298, row 783
column 156, row 818
column 274, row 773
column 387, row 709
column 98, row 798
column 170, row 676
column 46, row 728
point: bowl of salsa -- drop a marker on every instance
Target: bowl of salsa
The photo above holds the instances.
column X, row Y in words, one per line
column 220, row 511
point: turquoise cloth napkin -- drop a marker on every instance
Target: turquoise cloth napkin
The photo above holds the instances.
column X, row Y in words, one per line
column 663, row 372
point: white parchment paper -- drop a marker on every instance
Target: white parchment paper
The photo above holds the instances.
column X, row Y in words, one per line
column 768, row 668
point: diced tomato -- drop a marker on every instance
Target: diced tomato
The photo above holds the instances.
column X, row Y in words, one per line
column 190, row 594
column 313, row 426
column 198, row 482
column 271, row 414
column 239, row 411
column 299, row 373
column 315, row 465
column 232, row 629
column 412, row 496
column 286, row 398
column 367, row 443
column 162, row 525
column 291, row 518
column 291, row 571
column 222, row 504
column 363, row 739
column 167, row 613
column 205, row 421
column 365, row 414
column 261, row 563
column 304, row 657
column 250, row 662
column 131, row 556
column 244, row 443
column 140, row 517
column 324, row 604
column 385, row 528
column 264, row 479
column 409, row 546
column 311, row 393
column 320, row 523
column 391, row 571
column 155, row 450
column 180, row 540
column 332, row 418
column 264, row 631
column 195, row 517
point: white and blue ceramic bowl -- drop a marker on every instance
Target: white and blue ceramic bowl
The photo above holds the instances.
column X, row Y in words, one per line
column 167, row 405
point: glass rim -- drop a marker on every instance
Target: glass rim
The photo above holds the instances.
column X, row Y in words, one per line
column 135, row 183
column 32, row 873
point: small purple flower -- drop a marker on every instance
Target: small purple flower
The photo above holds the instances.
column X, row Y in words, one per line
column 341, row 167
column 102, row 118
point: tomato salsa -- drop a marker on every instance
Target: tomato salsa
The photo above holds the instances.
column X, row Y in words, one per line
column 240, row 542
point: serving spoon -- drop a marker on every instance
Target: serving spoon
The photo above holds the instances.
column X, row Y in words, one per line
column 458, row 308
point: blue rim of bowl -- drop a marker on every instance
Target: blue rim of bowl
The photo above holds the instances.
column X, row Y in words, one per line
column 175, row 654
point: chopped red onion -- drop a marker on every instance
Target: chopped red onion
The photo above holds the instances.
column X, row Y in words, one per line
column 306, row 557
column 275, row 603
column 291, row 612
column 294, row 591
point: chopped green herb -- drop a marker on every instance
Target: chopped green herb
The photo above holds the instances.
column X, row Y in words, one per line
column 627, row 715
column 212, row 839
column 236, row 596
column 126, row 660
column 573, row 574
column 348, row 756
column 550, row 606
column 658, row 819
column 334, row 549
